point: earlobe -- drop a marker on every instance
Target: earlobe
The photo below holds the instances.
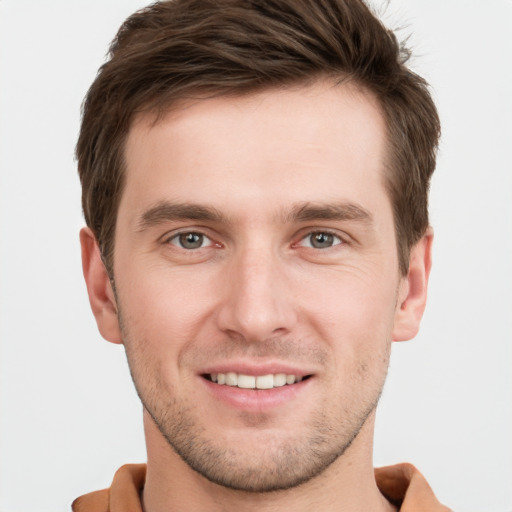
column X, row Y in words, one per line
column 99, row 288
column 412, row 295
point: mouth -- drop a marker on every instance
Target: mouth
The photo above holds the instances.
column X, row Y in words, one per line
column 256, row 388
column 257, row 382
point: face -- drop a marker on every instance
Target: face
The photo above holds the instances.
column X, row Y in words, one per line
column 257, row 280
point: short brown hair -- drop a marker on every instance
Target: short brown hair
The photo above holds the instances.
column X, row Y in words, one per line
column 178, row 49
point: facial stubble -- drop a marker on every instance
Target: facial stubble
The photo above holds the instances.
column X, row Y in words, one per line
column 280, row 463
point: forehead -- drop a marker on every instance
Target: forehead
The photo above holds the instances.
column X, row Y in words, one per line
column 290, row 145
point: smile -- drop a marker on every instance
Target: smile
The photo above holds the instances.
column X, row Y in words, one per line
column 243, row 381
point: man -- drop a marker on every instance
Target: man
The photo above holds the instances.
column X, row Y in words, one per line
column 255, row 180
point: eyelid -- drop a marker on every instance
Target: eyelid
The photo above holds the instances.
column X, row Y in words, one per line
column 337, row 240
column 304, row 234
column 174, row 235
column 176, row 238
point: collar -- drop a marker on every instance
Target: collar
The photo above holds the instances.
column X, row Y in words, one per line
column 402, row 485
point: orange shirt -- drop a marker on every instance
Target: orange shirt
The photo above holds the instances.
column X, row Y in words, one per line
column 403, row 485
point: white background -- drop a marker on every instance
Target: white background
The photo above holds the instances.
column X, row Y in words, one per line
column 68, row 414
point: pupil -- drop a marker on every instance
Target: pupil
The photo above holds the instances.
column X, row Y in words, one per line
column 322, row 240
column 191, row 240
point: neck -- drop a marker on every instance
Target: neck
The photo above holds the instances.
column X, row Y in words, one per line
column 348, row 484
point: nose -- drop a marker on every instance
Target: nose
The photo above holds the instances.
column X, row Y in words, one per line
column 256, row 299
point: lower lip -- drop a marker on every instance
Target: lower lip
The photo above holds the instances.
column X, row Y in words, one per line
column 256, row 400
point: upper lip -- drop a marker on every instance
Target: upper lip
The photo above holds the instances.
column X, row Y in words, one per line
column 256, row 369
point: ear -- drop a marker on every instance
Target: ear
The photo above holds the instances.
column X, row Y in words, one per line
column 412, row 294
column 99, row 288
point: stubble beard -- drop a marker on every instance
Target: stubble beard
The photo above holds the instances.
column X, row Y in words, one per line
column 275, row 467
column 275, row 464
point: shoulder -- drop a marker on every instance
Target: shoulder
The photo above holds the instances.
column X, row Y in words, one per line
column 93, row 502
column 403, row 484
column 123, row 495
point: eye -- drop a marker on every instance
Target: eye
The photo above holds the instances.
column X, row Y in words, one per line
column 190, row 240
column 320, row 240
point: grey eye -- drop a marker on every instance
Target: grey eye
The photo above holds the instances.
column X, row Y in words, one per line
column 321, row 240
column 190, row 240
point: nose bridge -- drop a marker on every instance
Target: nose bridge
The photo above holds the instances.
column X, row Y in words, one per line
column 257, row 302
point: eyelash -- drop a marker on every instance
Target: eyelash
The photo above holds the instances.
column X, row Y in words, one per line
column 178, row 236
column 324, row 232
column 176, row 240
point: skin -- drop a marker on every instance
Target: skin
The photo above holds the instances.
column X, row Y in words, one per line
column 259, row 180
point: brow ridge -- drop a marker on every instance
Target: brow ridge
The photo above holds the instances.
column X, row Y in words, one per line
column 339, row 211
column 165, row 211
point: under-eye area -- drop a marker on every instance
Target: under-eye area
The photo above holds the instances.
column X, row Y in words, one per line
column 269, row 381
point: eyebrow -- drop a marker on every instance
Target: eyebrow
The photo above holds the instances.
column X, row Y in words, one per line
column 301, row 212
column 343, row 211
column 165, row 211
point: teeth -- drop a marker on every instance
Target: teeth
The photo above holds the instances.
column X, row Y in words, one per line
column 280, row 379
column 251, row 382
column 265, row 382
column 290, row 379
column 231, row 379
column 246, row 381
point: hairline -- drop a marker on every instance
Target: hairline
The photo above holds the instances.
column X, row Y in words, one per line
column 167, row 107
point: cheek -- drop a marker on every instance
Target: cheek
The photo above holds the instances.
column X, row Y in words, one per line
column 356, row 318
column 167, row 296
column 164, row 313
column 351, row 305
